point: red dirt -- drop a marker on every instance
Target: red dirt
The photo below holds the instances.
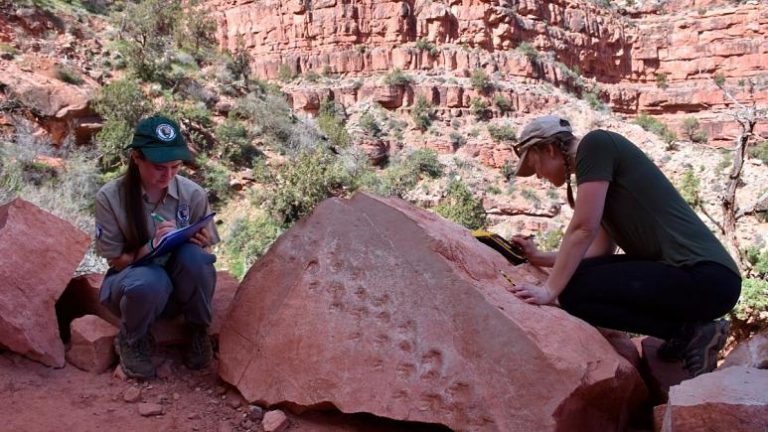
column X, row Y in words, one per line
column 37, row 398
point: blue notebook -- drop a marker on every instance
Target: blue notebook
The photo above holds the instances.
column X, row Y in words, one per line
column 175, row 238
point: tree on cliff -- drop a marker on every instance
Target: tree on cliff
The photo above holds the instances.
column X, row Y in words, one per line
column 748, row 115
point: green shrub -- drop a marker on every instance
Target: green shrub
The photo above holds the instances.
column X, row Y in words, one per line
column 425, row 161
column 331, row 123
column 67, row 75
column 493, row 190
column 593, row 100
column 551, row 240
column 425, row 45
column 719, row 79
column 751, row 312
column 460, row 206
column 67, row 193
column 147, row 32
column 235, row 143
column 529, row 51
column 692, row 130
column 303, row 182
column 661, row 80
column 422, row 113
column 122, row 100
column 196, row 31
column 370, row 125
column 478, row 107
column 397, row 78
column 651, row 124
column 214, row 178
column 503, row 132
column 11, row 175
column 9, row 49
column 312, row 76
column 285, row 73
column 405, row 171
column 726, row 161
column 758, row 259
column 530, row 196
column 481, row 81
column 247, row 240
column 689, row 188
column 457, row 139
column 502, row 103
column 273, row 118
column 111, row 141
column 759, row 151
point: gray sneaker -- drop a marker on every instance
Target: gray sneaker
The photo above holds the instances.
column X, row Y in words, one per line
column 701, row 352
column 135, row 357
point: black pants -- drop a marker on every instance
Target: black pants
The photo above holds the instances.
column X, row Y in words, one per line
column 648, row 297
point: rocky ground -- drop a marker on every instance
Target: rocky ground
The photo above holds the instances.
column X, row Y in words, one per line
column 37, row 398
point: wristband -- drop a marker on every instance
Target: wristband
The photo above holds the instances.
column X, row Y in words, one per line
column 150, row 246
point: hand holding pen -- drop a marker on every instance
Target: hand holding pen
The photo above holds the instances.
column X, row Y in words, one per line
column 162, row 228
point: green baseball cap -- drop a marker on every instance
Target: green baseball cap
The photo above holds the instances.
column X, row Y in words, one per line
column 160, row 139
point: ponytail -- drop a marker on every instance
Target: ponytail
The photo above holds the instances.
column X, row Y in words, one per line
column 137, row 234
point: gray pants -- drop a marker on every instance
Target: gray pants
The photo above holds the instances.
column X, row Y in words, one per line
column 139, row 295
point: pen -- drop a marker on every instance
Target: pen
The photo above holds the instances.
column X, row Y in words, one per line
column 507, row 277
column 157, row 217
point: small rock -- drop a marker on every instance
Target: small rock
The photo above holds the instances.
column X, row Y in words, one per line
column 247, row 424
column 150, row 409
column 255, row 412
column 225, row 427
column 220, row 390
column 274, row 421
column 165, row 370
column 176, row 396
column 119, row 374
column 234, row 402
column 133, row 394
column 193, row 416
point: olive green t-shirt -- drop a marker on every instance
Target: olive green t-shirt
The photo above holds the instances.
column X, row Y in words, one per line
column 644, row 213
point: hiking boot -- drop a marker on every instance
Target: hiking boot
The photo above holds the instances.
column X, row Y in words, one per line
column 200, row 351
column 135, row 357
column 673, row 349
column 701, row 352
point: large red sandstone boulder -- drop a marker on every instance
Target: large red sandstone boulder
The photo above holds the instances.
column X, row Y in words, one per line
column 752, row 352
column 373, row 305
column 40, row 254
column 734, row 399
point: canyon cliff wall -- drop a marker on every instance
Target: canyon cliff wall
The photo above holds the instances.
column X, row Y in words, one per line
column 648, row 58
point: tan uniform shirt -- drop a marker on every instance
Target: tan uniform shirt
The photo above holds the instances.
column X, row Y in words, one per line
column 185, row 203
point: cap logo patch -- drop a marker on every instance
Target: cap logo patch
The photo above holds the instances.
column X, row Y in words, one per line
column 564, row 123
column 165, row 132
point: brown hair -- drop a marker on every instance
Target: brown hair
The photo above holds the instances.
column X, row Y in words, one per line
column 137, row 225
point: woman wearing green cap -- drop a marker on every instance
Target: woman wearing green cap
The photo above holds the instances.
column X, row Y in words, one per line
column 674, row 278
column 132, row 213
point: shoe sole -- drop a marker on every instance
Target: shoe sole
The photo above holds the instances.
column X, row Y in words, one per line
column 716, row 343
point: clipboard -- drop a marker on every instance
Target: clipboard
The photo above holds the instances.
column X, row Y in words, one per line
column 175, row 238
column 511, row 251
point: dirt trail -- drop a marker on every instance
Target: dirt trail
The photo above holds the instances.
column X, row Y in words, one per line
column 36, row 398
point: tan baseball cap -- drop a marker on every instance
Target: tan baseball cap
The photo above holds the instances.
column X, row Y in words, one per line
column 533, row 133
